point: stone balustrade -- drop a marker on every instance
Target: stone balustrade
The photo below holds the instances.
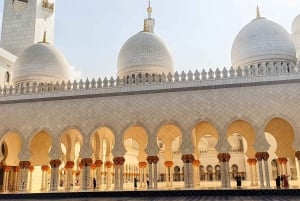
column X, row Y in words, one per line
column 260, row 70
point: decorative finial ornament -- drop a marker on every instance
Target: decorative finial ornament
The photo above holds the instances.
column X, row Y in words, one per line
column 257, row 12
column 149, row 9
column 45, row 37
column 149, row 22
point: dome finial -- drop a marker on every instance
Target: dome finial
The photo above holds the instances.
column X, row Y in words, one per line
column 257, row 12
column 149, row 22
column 45, row 37
column 149, row 9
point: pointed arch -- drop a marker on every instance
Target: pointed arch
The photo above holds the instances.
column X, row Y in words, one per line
column 284, row 133
column 11, row 146
column 135, row 139
column 39, row 146
column 245, row 129
column 102, row 142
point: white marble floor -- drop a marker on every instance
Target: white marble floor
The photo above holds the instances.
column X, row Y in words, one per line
column 190, row 198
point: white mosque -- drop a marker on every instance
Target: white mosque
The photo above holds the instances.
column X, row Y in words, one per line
column 148, row 123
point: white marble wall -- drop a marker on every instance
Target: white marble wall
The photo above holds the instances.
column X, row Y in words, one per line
column 23, row 25
column 154, row 105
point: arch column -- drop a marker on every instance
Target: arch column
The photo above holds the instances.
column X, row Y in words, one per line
column 153, row 167
column 152, row 161
column 23, row 175
column 54, row 177
column 253, row 172
column 119, row 172
column 196, row 164
column 44, row 183
column 188, row 170
column 225, row 175
column 263, row 167
column 31, row 169
column 98, row 164
column 108, row 174
column 249, row 161
column 69, row 180
column 283, row 166
column 265, row 157
column 168, row 165
column 297, row 155
column 258, row 156
column 5, row 186
column 143, row 173
column 293, row 168
column 86, row 173
column 16, row 173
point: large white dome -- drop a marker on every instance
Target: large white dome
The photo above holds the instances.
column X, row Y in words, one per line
column 41, row 62
column 144, row 53
column 262, row 41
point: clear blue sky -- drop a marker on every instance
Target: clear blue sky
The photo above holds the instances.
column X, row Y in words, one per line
column 199, row 33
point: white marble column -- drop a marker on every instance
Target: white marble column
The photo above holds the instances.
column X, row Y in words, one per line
column 261, row 174
column 191, row 175
column 196, row 164
column 69, row 176
column 188, row 170
column 225, row 175
column 86, row 173
column 171, row 176
column 116, row 168
column 23, row 178
column 150, row 175
column 185, row 175
column 54, row 177
column 255, row 177
column 297, row 155
column 259, row 157
column 250, row 164
column 98, row 164
column 267, row 173
column 5, row 187
column 121, row 177
column 119, row 170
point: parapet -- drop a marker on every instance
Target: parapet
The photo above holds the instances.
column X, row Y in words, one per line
column 261, row 72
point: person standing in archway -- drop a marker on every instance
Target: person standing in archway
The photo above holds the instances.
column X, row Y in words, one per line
column 94, row 183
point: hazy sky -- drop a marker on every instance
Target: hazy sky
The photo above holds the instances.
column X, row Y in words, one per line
column 199, row 33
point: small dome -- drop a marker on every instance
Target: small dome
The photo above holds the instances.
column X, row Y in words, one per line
column 144, row 53
column 41, row 62
column 296, row 25
column 261, row 41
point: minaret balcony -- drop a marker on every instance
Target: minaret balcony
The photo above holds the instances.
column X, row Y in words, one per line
column 19, row 5
column 47, row 7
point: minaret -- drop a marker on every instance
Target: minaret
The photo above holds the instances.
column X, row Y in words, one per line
column 149, row 22
column 296, row 36
column 24, row 22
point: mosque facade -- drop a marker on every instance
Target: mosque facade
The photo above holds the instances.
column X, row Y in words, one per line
column 148, row 123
